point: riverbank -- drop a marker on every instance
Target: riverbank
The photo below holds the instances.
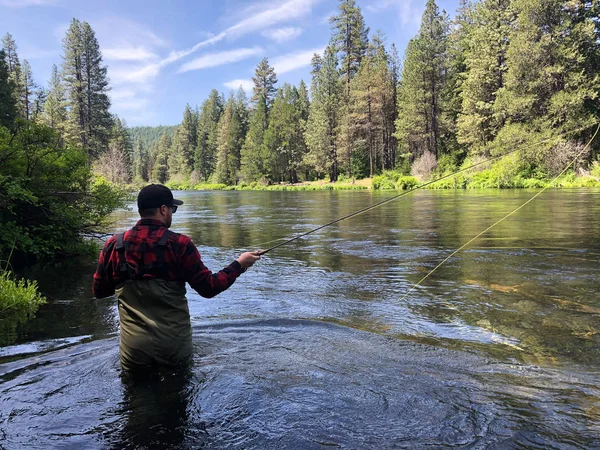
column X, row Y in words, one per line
column 488, row 179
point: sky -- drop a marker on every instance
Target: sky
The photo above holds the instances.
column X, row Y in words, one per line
column 162, row 55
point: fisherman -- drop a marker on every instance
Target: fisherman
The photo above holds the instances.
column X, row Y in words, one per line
column 148, row 267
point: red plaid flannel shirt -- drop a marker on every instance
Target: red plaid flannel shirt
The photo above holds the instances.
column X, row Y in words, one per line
column 181, row 258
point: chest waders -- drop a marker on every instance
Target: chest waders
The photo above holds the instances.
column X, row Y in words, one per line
column 153, row 313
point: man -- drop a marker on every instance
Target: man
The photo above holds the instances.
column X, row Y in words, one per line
column 148, row 267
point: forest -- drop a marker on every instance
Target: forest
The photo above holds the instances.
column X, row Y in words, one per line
column 503, row 74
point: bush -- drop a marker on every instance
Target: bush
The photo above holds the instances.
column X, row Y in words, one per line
column 424, row 165
column 48, row 198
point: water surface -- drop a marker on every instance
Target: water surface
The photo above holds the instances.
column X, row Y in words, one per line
column 316, row 346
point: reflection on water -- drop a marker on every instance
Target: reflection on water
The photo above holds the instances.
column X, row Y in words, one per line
column 500, row 348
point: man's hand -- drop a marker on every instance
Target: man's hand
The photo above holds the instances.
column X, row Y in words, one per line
column 247, row 259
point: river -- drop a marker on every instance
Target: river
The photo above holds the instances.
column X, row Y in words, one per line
column 317, row 346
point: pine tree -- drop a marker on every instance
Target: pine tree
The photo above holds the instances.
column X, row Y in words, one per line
column 8, row 109
column 253, row 153
column 99, row 119
column 140, row 162
column 39, row 103
column 322, row 128
column 14, row 71
column 28, row 87
column 208, row 132
column 264, row 80
column 283, row 138
column 485, row 67
column 350, row 39
column 371, row 103
column 230, row 141
column 160, row 168
column 86, row 83
column 421, row 112
column 55, row 111
column 548, row 83
column 185, row 142
column 73, row 76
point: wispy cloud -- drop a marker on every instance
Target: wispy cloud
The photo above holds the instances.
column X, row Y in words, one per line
column 409, row 11
column 281, row 35
column 247, row 85
column 295, row 60
column 284, row 12
column 220, row 58
column 128, row 54
column 24, row 3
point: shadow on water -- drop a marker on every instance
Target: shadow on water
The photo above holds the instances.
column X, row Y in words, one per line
column 271, row 384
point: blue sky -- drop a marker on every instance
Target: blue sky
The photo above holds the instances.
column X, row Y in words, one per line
column 162, row 55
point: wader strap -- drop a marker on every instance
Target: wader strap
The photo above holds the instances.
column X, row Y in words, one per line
column 157, row 267
column 124, row 268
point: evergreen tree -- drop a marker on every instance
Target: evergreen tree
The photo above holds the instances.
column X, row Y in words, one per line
column 485, row 66
column 55, row 111
column 39, row 102
column 28, row 88
column 264, row 80
column 322, row 128
column 185, row 143
column 253, row 155
column 548, row 83
column 229, row 143
column 140, row 162
column 86, row 83
column 420, row 114
column 350, row 39
column 14, row 71
column 99, row 119
column 371, row 102
column 8, row 109
column 283, row 138
column 160, row 168
column 208, row 132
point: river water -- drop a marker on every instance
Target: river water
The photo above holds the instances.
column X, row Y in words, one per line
column 317, row 346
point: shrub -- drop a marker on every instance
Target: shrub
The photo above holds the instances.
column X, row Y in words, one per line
column 424, row 165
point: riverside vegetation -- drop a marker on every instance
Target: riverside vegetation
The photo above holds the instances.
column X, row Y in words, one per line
column 501, row 74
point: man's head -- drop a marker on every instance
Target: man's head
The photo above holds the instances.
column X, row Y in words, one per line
column 156, row 201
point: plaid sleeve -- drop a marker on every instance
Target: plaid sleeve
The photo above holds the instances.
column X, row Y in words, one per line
column 103, row 284
column 201, row 279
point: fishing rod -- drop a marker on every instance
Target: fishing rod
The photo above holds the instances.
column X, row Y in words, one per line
column 421, row 186
column 505, row 217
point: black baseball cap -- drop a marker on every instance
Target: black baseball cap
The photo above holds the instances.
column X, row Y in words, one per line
column 154, row 196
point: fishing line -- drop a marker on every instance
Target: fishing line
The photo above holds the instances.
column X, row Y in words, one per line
column 421, row 186
column 503, row 218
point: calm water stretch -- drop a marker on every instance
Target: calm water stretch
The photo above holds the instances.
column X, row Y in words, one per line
column 314, row 348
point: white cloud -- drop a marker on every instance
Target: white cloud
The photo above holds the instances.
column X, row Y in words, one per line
column 120, row 94
column 128, row 54
column 284, row 12
column 295, row 60
column 247, row 85
column 280, row 35
column 290, row 10
column 218, row 59
column 23, row 3
column 175, row 55
column 409, row 11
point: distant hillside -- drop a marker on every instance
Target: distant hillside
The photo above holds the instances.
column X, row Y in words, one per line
column 150, row 135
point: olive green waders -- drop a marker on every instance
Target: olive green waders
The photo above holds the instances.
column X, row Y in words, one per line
column 153, row 313
column 155, row 324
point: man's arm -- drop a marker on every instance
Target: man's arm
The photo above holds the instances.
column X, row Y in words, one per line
column 209, row 284
column 103, row 285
